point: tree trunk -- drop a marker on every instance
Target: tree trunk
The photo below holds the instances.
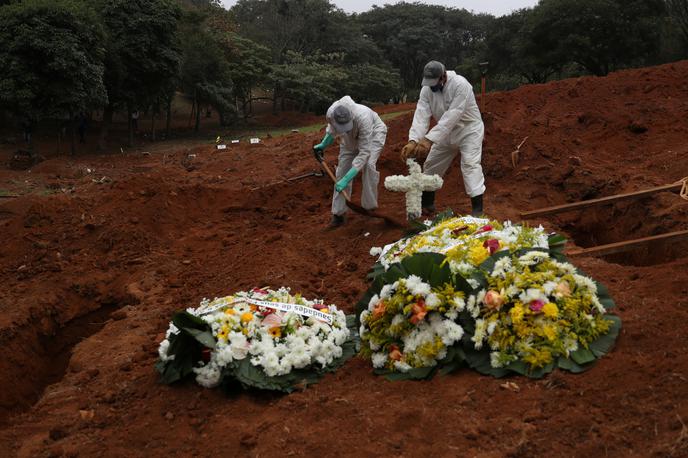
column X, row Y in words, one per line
column 153, row 111
column 275, row 94
column 72, row 126
column 198, row 117
column 130, row 126
column 108, row 111
column 169, row 117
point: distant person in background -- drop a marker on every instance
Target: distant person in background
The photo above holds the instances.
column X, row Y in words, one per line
column 362, row 136
column 448, row 98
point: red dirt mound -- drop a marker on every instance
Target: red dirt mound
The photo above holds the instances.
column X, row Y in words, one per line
column 99, row 252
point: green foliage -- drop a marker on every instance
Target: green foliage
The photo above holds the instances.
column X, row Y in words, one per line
column 599, row 35
column 678, row 12
column 301, row 26
column 185, row 347
column 411, row 34
column 142, row 59
column 249, row 65
column 51, row 56
column 431, row 267
column 205, row 71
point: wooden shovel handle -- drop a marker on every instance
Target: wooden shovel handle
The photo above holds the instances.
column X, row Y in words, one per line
column 334, row 179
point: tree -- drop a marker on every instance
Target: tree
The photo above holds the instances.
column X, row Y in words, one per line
column 599, row 35
column 51, row 59
column 142, row 55
column 678, row 9
column 302, row 26
column 249, row 67
column 205, row 73
column 411, row 34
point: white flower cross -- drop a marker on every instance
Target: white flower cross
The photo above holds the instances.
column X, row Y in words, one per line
column 413, row 185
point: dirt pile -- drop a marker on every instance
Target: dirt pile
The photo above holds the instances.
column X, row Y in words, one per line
column 103, row 249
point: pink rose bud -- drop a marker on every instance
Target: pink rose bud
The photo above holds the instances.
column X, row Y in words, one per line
column 272, row 320
column 493, row 300
column 536, row 306
column 562, row 290
column 492, row 245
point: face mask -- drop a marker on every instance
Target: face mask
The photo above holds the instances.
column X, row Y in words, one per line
column 437, row 87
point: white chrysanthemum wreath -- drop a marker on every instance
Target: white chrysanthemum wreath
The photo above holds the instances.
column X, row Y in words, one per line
column 265, row 338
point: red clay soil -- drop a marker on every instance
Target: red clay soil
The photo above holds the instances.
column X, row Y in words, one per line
column 94, row 264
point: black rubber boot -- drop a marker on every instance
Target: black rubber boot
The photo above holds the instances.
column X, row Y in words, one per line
column 337, row 220
column 477, row 205
column 427, row 201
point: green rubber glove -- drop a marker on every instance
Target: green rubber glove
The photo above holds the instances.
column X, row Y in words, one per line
column 320, row 147
column 344, row 182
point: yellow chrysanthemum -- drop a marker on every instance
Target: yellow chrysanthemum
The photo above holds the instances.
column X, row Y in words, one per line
column 550, row 332
column 275, row 332
column 517, row 313
column 230, row 312
column 246, row 317
column 477, row 254
column 550, row 310
column 538, row 358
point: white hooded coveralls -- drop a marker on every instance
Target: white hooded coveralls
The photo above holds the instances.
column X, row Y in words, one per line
column 459, row 127
column 359, row 148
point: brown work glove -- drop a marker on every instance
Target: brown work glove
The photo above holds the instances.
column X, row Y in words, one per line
column 408, row 151
column 423, row 148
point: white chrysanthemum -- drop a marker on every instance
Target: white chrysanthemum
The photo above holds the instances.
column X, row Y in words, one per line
column 432, row 300
column 373, row 302
column 533, row 257
column 549, row 286
column 495, row 360
column 512, row 291
column 209, row 375
column 532, row 294
column 564, row 268
column 459, row 303
column 479, row 333
column 398, row 320
column 387, row 291
column 401, row 366
column 491, row 327
column 376, row 251
column 598, row 305
column 162, row 351
column 417, row 286
column 585, row 282
column 379, row 360
column 501, row 267
column 453, row 334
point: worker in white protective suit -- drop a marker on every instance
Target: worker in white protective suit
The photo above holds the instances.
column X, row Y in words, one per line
column 361, row 135
column 448, row 98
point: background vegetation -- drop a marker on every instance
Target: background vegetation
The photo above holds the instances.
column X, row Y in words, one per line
column 63, row 59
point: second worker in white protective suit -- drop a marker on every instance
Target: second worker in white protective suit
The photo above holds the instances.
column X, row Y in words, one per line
column 448, row 98
column 362, row 136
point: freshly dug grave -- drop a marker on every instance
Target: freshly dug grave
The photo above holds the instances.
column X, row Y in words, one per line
column 104, row 249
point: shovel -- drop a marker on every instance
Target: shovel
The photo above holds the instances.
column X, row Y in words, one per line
column 357, row 208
